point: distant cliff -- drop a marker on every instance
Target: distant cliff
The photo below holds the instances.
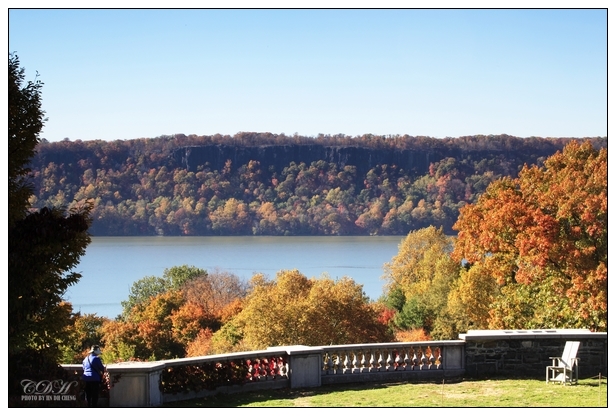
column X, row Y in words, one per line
column 415, row 162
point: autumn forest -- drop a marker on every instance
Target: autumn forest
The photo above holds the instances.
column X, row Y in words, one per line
column 501, row 232
column 265, row 184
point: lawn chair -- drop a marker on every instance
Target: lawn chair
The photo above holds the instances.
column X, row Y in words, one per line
column 562, row 368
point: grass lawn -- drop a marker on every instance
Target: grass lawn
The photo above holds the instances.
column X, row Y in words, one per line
column 466, row 393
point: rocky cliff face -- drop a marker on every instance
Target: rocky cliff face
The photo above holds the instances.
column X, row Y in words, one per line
column 281, row 156
column 415, row 162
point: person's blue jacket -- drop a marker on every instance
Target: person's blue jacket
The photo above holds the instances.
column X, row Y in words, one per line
column 93, row 368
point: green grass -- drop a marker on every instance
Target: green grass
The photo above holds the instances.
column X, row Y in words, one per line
column 467, row 393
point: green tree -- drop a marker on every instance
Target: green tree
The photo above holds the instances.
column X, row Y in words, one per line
column 44, row 246
column 423, row 271
column 412, row 316
column 177, row 276
column 469, row 302
column 85, row 331
column 144, row 289
column 413, row 269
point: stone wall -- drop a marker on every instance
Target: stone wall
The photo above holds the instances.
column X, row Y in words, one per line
column 527, row 353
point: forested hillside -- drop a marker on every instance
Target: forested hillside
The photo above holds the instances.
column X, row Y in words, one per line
column 266, row 184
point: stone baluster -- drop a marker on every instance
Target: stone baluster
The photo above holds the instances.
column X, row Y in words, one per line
column 259, row 367
column 399, row 361
column 347, row 363
column 373, row 363
column 337, row 363
column 416, row 358
column 273, row 368
column 356, row 363
column 340, row 362
column 284, row 369
column 364, row 364
column 265, row 369
column 389, row 364
column 407, row 360
column 380, row 362
column 254, row 370
column 276, row 368
column 249, row 369
column 424, row 359
column 432, row 360
column 327, row 363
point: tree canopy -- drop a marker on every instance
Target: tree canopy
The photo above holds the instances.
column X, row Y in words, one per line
column 295, row 310
column 543, row 238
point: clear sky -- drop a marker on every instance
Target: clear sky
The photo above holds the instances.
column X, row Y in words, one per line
column 130, row 73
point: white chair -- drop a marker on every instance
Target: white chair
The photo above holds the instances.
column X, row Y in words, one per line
column 564, row 369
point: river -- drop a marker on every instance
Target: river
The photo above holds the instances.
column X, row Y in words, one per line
column 112, row 264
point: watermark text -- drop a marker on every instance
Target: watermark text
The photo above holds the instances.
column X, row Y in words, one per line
column 48, row 391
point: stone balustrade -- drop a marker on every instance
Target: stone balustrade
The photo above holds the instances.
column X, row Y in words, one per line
column 147, row 384
column 392, row 361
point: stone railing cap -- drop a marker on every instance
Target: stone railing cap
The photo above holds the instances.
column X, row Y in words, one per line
column 296, row 349
column 136, row 366
column 530, row 333
column 394, row 345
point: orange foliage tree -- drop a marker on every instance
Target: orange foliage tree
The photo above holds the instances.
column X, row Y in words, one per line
column 543, row 238
column 293, row 309
column 214, row 292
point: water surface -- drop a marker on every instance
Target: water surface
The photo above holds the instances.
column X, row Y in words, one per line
column 112, row 264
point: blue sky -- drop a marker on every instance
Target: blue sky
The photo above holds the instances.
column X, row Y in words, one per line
column 125, row 74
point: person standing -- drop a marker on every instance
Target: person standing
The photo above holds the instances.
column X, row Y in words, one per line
column 93, row 370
